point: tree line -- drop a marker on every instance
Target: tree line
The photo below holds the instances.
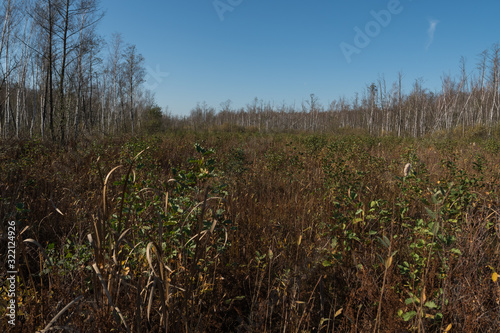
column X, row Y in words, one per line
column 58, row 77
column 470, row 99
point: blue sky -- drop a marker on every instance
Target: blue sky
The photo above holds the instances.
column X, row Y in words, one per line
column 282, row 51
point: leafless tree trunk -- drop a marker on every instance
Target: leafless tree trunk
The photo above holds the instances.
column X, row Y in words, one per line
column 134, row 73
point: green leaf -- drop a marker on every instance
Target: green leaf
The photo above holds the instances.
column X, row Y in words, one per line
column 434, row 200
column 409, row 301
column 409, row 315
column 431, row 213
column 387, row 242
column 326, row 263
column 384, row 241
column 435, row 227
column 430, row 305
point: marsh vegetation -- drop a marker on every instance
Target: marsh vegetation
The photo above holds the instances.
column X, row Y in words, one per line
column 244, row 231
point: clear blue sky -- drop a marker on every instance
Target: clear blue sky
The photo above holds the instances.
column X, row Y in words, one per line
column 281, row 51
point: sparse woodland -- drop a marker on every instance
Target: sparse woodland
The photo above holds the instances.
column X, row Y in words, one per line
column 267, row 218
column 59, row 80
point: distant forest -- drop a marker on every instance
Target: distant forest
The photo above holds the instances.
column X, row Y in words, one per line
column 59, row 80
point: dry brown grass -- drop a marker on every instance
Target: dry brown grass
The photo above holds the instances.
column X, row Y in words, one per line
column 320, row 230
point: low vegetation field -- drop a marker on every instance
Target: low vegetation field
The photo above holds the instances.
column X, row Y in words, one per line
column 249, row 232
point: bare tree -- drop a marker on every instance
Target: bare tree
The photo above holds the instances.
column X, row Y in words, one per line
column 134, row 72
column 494, row 81
column 9, row 14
